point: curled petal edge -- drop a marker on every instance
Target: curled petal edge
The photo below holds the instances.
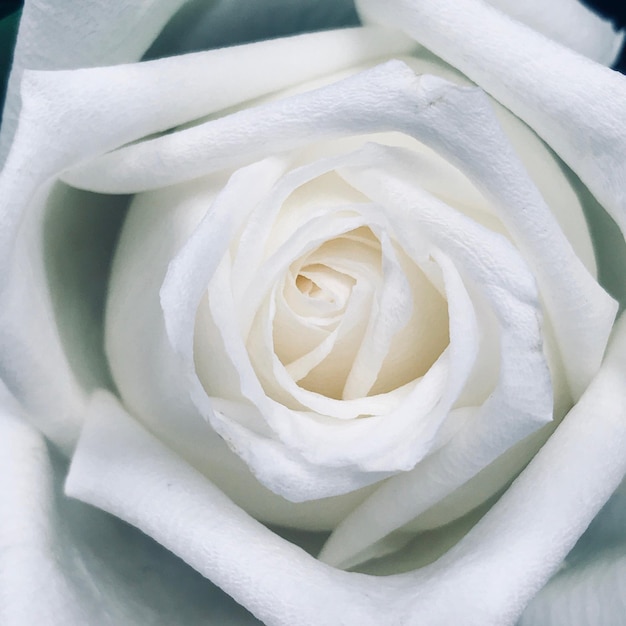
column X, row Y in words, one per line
column 504, row 560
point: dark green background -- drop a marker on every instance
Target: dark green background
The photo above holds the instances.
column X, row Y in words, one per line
column 9, row 13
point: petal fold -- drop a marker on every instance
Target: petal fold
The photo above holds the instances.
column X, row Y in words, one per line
column 84, row 566
column 574, row 104
column 503, row 561
column 54, row 36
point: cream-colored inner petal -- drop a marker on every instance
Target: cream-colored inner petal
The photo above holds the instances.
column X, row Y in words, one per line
column 357, row 317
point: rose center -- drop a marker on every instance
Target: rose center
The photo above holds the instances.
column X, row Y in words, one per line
column 341, row 330
column 324, row 287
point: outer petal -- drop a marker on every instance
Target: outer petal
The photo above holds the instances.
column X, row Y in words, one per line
column 574, row 104
column 65, row 564
column 149, row 486
column 484, row 581
column 55, row 35
column 569, row 22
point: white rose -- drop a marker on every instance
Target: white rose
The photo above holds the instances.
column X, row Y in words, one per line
column 350, row 294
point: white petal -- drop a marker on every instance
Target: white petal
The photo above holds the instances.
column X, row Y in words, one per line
column 34, row 328
column 167, row 92
column 320, row 228
column 281, row 468
column 582, row 312
column 575, row 105
column 147, row 485
column 395, row 440
column 503, row 561
column 54, row 36
column 377, row 99
column 302, row 194
column 393, row 310
column 561, row 190
column 84, row 565
column 510, row 554
column 522, row 398
column 279, row 380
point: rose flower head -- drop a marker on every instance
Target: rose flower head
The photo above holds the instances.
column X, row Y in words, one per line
column 332, row 316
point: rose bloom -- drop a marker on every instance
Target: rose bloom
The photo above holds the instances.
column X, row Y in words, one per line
column 332, row 318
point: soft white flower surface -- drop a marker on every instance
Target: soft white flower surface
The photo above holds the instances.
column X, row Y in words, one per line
column 356, row 309
column 351, row 294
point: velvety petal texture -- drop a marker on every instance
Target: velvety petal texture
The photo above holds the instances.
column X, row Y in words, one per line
column 485, row 44
column 327, row 286
column 304, row 443
column 503, row 561
column 85, row 565
column 54, row 35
